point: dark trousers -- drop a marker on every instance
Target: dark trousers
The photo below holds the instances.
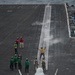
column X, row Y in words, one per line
column 16, row 52
column 27, row 69
column 43, row 66
column 19, row 66
column 15, row 65
column 41, row 55
column 11, row 66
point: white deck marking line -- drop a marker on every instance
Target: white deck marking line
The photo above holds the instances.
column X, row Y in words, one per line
column 45, row 33
column 19, row 72
column 56, row 71
column 68, row 21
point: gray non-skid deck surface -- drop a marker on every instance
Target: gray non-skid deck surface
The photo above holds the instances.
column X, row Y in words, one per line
column 62, row 48
column 16, row 21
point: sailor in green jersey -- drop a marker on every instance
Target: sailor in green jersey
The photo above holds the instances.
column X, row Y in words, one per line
column 27, row 66
column 15, row 48
column 15, row 61
column 12, row 63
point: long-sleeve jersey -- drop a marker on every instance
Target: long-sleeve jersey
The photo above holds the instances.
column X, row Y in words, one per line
column 15, row 59
column 21, row 40
column 11, row 60
column 26, row 63
column 15, row 45
column 42, row 50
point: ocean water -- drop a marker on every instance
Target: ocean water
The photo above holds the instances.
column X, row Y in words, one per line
column 70, row 2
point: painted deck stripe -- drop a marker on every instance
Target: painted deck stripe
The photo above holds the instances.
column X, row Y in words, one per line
column 45, row 33
column 19, row 72
column 68, row 20
column 56, row 71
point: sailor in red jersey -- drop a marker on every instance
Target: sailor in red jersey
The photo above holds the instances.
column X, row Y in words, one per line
column 17, row 41
column 21, row 42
